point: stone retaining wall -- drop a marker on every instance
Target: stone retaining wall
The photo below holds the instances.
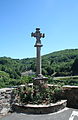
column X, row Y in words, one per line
column 40, row 109
column 5, row 99
column 71, row 95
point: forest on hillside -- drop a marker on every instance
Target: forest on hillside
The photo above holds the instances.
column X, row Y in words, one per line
column 60, row 63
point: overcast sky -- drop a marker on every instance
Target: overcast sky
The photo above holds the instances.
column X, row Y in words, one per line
column 58, row 19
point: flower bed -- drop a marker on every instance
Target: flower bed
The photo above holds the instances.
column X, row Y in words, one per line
column 37, row 99
column 37, row 94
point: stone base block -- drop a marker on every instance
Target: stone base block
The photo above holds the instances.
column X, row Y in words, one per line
column 40, row 80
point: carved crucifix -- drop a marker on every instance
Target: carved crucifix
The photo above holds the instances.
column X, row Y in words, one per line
column 38, row 45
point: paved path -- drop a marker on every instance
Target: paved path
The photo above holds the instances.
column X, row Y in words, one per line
column 66, row 114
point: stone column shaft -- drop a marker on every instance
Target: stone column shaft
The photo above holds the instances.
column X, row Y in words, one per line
column 38, row 61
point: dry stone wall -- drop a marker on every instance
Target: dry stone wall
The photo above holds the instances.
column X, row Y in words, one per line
column 5, row 100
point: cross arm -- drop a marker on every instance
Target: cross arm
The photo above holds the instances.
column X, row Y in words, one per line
column 42, row 35
column 32, row 34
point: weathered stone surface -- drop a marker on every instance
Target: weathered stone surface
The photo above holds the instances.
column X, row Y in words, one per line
column 4, row 111
column 5, row 98
column 71, row 94
column 40, row 109
column 38, row 46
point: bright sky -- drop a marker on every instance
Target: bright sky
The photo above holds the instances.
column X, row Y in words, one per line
column 58, row 19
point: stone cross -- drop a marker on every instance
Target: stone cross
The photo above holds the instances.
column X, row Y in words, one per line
column 38, row 46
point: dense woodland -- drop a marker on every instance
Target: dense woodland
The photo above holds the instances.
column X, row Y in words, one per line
column 60, row 63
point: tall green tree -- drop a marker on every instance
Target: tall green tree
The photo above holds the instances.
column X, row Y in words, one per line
column 75, row 67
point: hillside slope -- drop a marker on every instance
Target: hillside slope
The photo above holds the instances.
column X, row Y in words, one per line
column 61, row 63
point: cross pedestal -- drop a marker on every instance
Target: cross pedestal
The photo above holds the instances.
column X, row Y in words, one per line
column 40, row 79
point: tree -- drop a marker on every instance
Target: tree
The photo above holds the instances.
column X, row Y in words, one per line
column 75, row 67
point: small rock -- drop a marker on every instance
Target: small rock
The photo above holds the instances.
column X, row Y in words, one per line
column 4, row 111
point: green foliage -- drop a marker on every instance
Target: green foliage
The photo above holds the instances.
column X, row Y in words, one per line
column 32, row 95
column 75, row 67
column 26, row 79
column 60, row 63
column 6, row 81
column 70, row 80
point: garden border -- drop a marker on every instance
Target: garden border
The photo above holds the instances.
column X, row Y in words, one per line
column 39, row 109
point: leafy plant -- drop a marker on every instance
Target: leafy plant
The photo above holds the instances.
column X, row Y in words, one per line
column 34, row 95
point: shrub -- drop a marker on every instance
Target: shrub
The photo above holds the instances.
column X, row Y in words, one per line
column 33, row 95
